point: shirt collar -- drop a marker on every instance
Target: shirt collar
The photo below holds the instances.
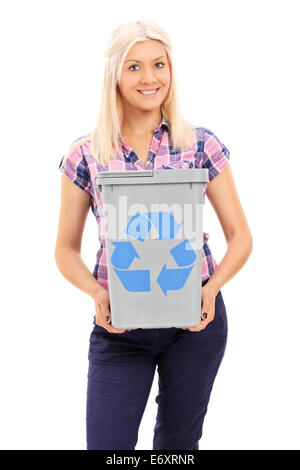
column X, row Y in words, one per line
column 164, row 124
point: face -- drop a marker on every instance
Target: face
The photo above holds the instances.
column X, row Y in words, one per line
column 146, row 67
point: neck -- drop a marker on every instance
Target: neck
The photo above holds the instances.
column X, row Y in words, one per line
column 139, row 123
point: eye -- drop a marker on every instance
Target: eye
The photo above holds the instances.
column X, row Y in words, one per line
column 132, row 66
column 135, row 65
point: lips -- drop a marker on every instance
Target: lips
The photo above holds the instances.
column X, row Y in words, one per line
column 150, row 89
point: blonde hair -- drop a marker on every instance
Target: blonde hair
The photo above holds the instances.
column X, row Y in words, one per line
column 105, row 138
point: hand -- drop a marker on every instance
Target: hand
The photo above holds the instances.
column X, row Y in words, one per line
column 208, row 308
column 101, row 299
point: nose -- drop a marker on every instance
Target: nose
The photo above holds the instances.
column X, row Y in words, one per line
column 149, row 76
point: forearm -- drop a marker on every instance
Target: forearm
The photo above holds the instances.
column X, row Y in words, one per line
column 72, row 267
column 238, row 251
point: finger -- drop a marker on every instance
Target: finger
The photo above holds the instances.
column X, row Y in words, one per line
column 205, row 318
column 105, row 313
column 110, row 328
column 192, row 328
column 206, row 310
column 115, row 330
column 204, row 323
column 195, row 328
column 201, row 326
column 105, row 322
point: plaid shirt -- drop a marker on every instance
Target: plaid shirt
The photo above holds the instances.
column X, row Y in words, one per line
column 81, row 167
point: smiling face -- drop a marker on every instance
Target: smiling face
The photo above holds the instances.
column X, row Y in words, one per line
column 146, row 68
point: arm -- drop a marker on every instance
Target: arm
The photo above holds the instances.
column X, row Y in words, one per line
column 75, row 204
column 223, row 196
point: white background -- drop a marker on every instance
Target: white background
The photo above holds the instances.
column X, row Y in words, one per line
column 238, row 71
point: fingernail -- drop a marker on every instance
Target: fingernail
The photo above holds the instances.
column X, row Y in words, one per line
column 107, row 319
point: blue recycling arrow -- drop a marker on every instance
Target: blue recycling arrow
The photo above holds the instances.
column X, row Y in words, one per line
column 165, row 224
column 138, row 227
column 172, row 279
column 123, row 254
column 135, row 280
column 183, row 253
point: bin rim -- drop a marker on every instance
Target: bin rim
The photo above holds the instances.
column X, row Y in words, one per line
column 153, row 176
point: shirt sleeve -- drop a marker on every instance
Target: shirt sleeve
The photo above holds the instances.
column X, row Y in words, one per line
column 215, row 154
column 75, row 167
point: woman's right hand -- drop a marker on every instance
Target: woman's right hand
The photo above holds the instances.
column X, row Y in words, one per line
column 102, row 311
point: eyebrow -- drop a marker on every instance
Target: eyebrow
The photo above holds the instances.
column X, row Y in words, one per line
column 135, row 60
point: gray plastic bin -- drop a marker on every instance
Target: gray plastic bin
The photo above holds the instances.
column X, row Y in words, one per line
column 154, row 241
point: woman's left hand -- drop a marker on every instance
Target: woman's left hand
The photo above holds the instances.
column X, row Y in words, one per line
column 208, row 308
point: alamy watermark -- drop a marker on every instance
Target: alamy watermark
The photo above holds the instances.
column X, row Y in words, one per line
column 157, row 221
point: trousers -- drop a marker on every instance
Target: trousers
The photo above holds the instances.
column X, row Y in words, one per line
column 120, row 375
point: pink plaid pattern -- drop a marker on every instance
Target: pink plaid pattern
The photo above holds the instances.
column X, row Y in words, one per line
column 80, row 166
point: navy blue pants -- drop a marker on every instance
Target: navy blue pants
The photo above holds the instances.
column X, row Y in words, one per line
column 120, row 376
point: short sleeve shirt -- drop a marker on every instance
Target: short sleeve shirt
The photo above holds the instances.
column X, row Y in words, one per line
column 82, row 168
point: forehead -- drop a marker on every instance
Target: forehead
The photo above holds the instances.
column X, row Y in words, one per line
column 145, row 50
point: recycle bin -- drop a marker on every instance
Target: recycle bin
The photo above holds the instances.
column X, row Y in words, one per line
column 154, row 241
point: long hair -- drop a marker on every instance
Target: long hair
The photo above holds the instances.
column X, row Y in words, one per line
column 105, row 138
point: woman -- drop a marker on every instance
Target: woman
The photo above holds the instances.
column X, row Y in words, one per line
column 137, row 129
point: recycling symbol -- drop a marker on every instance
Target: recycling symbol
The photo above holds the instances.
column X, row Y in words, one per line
column 138, row 280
